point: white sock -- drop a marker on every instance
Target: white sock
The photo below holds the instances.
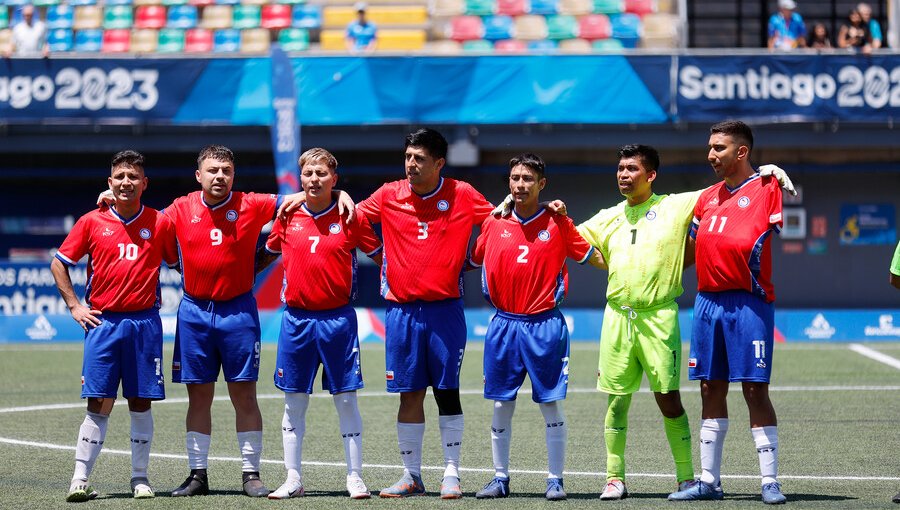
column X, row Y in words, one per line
column 712, row 441
column 141, row 439
column 409, row 438
column 557, row 432
column 501, row 436
column 351, row 430
column 91, row 435
column 197, row 445
column 766, row 439
column 451, row 440
column 250, row 443
column 293, row 428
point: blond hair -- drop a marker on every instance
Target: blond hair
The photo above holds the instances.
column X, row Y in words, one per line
column 319, row 155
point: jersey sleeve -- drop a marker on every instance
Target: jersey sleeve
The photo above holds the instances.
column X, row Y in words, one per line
column 577, row 248
column 698, row 215
column 481, row 208
column 371, row 207
column 276, row 236
column 683, row 204
column 76, row 244
column 366, row 239
column 264, row 205
column 773, row 204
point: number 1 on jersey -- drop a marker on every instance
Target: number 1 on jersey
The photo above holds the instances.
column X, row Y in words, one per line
column 712, row 223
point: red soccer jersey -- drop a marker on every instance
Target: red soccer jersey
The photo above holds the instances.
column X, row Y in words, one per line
column 217, row 244
column 426, row 237
column 524, row 260
column 124, row 256
column 320, row 256
column 732, row 229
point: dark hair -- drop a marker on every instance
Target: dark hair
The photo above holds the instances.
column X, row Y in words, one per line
column 430, row 140
column 128, row 157
column 736, row 129
column 530, row 160
column 219, row 152
column 649, row 156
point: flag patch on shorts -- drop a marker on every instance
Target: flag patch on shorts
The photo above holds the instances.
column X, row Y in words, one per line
column 176, row 365
column 280, row 372
column 692, row 362
column 82, row 380
column 389, row 375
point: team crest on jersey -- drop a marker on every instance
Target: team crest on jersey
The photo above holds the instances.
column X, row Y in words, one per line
column 145, row 233
column 443, row 205
column 743, row 202
column 231, row 215
column 651, row 215
column 544, row 235
column 334, row 228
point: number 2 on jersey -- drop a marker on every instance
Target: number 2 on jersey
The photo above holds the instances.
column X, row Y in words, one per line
column 522, row 259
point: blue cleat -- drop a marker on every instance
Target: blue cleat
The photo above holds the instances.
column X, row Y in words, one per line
column 555, row 490
column 699, row 490
column 409, row 485
column 496, row 488
column 771, row 494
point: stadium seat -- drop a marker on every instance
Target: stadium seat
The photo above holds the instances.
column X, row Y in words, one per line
column 480, row 7
column 608, row 6
column 497, row 28
column 668, row 6
column 170, row 3
column 542, row 46
column 60, row 39
column 4, row 16
column 445, row 47
column 561, row 27
column 447, row 8
column 294, row 39
column 58, row 16
column 138, row 3
column 401, row 39
column 227, row 40
column 216, row 17
column 626, row 28
column 594, row 26
column 117, row 16
column 150, row 16
column 332, row 40
column 255, row 2
column 108, row 3
column 466, row 28
column 478, row 46
column 575, row 46
column 276, row 16
column 171, row 40
column 544, row 7
column 182, row 16
column 512, row 7
column 144, row 40
column 76, row 3
column 510, row 46
column 5, row 40
column 87, row 17
column 255, row 40
column 198, row 40
column 531, row 27
column 246, row 16
column 116, row 40
column 228, row 2
column 307, row 16
column 89, row 40
column 640, row 7
column 290, row 2
column 44, row 3
column 660, row 31
column 611, row 45
column 201, row 3
column 575, row 7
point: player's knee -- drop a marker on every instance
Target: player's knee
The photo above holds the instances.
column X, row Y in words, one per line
column 448, row 402
column 756, row 394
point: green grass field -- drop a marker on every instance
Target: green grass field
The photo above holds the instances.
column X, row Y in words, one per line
column 839, row 414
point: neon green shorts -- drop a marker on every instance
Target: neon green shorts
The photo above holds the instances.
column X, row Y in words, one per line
column 633, row 342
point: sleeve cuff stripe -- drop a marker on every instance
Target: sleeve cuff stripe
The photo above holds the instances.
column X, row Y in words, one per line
column 65, row 260
column 587, row 256
column 273, row 252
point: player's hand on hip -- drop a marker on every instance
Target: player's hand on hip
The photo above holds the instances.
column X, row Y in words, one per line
column 780, row 175
column 505, row 207
column 345, row 204
column 86, row 317
column 557, row 206
column 291, row 203
column 106, row 198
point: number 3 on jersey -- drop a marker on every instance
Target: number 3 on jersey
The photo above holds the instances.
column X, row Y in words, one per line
column 423, row 230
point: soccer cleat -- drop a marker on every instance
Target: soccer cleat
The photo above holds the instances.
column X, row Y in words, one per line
column 196, row 484
column 615, row 489
column 771, row 494
column 555, row 490
column 450, row 488
column 496, row 488
column 685, row 485
column 289, row 489
column 699, row 490
column 140, row 488
column 80, row 491
column 409, row 485
column 896, row 498
column 253, row 486
column 357, row 488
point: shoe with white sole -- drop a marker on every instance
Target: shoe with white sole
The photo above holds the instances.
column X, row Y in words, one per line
column 357, row 488
column 289, row 489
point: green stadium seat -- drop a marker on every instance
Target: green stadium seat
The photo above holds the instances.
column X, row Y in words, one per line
column 246, row 16
column 480, row 7
column 4, row 16
column 294, row 39
column 561, row 26
column 607, row 45
column 44, row 3
column 118, row 16
column 608, row 6
column 290, row 2
column 478, row 45
column 171, row 40
column 174, row 2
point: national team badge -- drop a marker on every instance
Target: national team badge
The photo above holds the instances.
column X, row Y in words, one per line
column 544, row 235
column 231, row 215
column 145, row 233
column 651, row 215
column 443, row 205
column 692, row 362
column 743, row 202
column 334, row 228
column 389, row 375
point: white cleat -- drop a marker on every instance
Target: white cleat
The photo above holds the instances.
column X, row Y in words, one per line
column 289, row 489
column 357, row 488
column 140, row 488
column 615, row 489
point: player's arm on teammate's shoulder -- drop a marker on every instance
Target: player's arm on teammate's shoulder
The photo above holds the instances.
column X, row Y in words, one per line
column 264, row 258
column 690, row 256
column 83, row 315
column 292, row 202
column 596, row 259
column 557, row 206
column 780, row 175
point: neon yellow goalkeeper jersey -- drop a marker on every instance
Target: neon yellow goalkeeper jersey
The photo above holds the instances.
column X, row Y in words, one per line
column 644, row 248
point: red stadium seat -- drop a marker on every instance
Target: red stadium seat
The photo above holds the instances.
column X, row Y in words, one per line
column 150, row 16
column 466, row 28
column 276, row 16
column 639, row 7
column 201, row 3
column 198, row 40
column 511, row 7
column 510, row 46
column 594, row 26
column 116, row 40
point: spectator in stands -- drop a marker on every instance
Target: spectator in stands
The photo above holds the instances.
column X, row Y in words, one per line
column 786, row 28
column 29, row 36
column 855, row 34
column 361, row 33
column 819, row 38
column 865, row 11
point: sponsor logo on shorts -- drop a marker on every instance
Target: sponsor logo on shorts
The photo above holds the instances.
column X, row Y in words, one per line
column 334, row 228
column 389, row 375
column 544, row 235
column 760, row 364
column 692, row 362
column 743, row 202
column 231, row 215
column 145, row 233
column 651, row 215
column 443, row 205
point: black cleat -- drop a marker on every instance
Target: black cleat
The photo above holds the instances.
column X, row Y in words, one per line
column 253, row 486
column 196, row 484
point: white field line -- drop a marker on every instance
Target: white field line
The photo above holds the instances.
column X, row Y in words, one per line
column 875, row 355
column 50, row 446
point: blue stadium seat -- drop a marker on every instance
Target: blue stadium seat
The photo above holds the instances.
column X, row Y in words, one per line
column 626, row 28
column 182, row 16
column 60, row 39
column 89, row 40
column 228, row 2
column 543, row 45
column 60, row 16
column 117, row 2
column 543, row 7
column 306, row 16
column 227, row 40
column 18, row 3
column 76, row 3
column 497, row 28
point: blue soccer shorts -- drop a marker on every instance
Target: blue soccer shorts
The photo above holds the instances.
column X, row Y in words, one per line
column 309, row 338
column 732, row 338
column 534, row 344
column 213, row 334
column 424, row 345
column 126, row 346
